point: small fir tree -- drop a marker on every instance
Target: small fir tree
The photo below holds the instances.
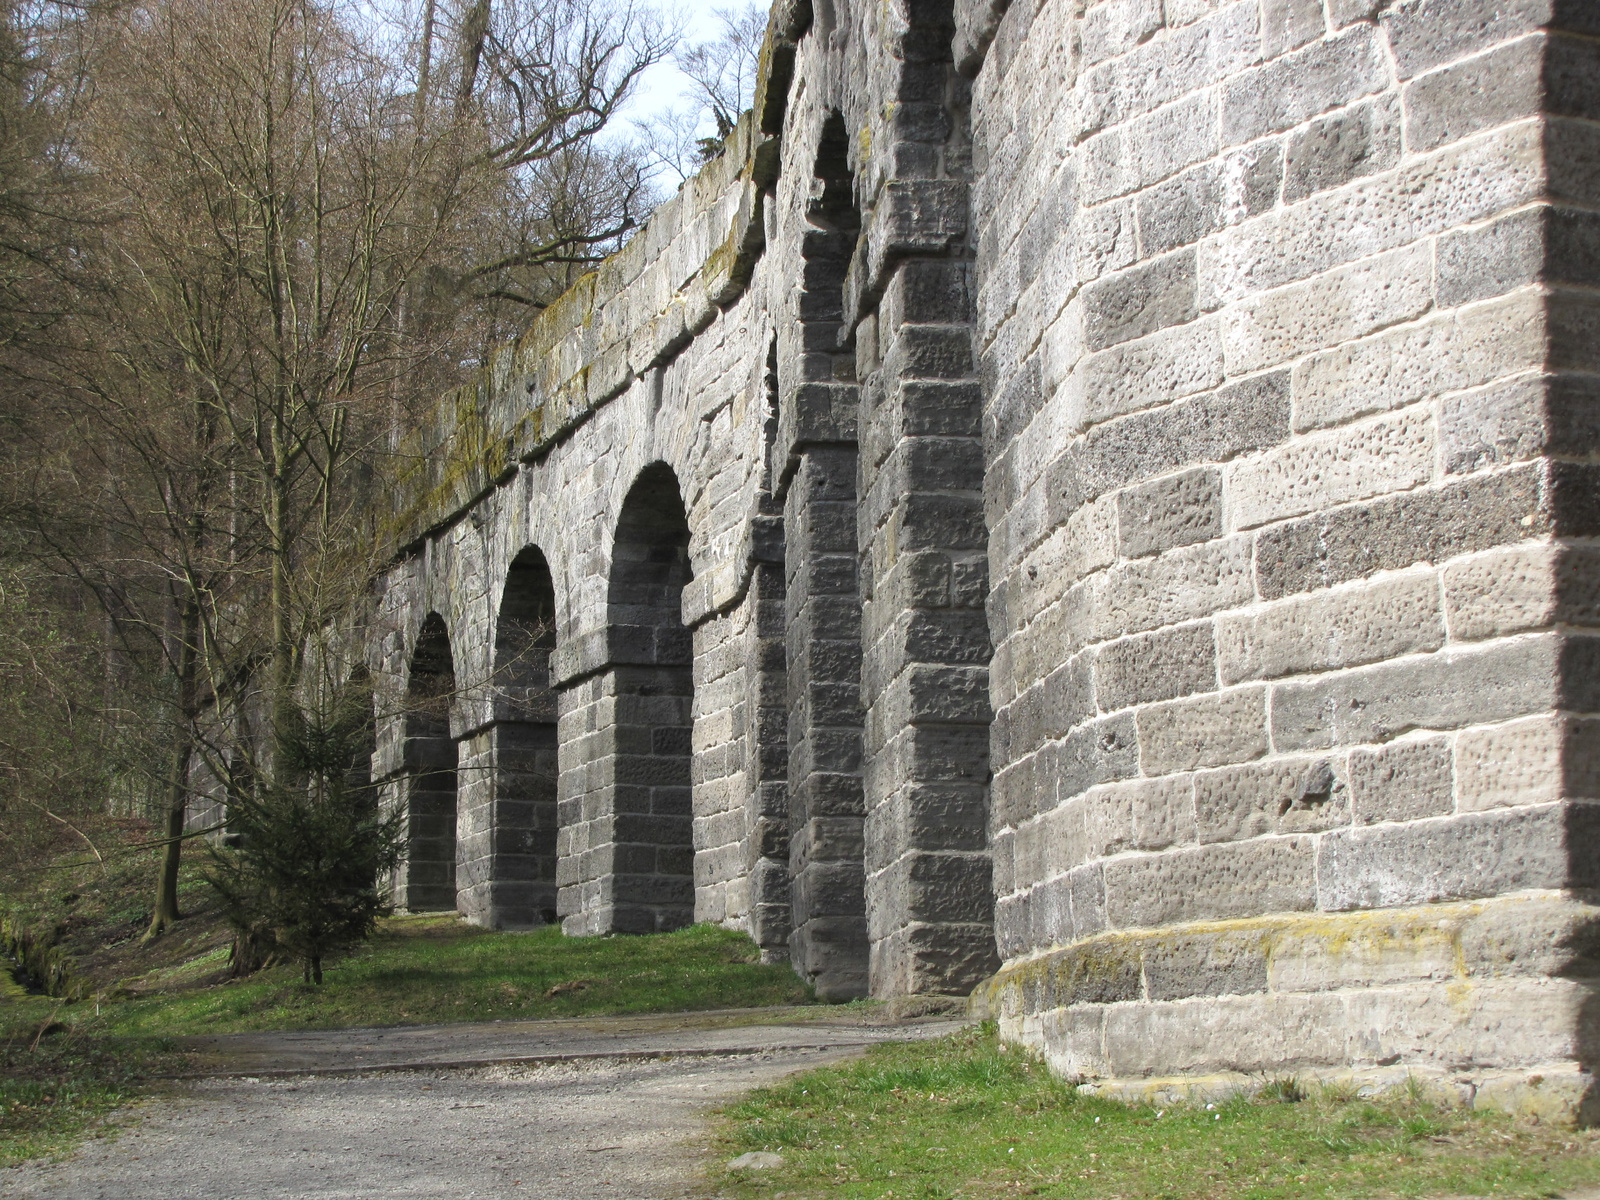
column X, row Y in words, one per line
column 300, row 877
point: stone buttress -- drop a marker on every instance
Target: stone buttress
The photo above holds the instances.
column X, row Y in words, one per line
column 1287, row 320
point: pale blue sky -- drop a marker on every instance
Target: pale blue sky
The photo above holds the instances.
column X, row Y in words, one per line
column 663, row 86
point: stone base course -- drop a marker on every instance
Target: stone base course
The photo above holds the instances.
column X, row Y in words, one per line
column 1558, row 1092
column 1450, row 991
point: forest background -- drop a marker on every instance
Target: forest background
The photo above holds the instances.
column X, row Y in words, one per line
column 243, row 246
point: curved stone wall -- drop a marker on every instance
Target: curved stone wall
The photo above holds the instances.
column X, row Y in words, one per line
column 1287, row 311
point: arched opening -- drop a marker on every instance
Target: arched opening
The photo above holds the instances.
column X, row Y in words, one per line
column 508, row 826
column 827, row 807
column 426, row 878
column 630, row 833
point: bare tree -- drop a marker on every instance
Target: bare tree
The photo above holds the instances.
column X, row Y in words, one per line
column 537, row 87
column 41, row 84
column 57, row 724
column 723, row 69
column 288, row 235
column 721, row 73
column 270, row 208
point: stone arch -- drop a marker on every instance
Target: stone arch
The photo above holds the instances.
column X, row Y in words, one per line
column 425, row 881
column 508, row 799
column 627, row 835
column 828, row 945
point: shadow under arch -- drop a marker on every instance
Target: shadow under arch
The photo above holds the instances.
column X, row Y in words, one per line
column 627, row 833
column 508, row 810
column 425, row 881
column 357, row 692
column 823, row 617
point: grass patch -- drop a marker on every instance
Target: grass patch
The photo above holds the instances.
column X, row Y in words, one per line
column 57, row 1082
column 83, row 919
column 434, row 970
column 961, row 1118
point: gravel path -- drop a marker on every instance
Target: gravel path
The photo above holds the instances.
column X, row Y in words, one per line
column 596, row 1129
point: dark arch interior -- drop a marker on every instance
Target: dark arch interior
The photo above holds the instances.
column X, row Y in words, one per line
column 652, row 844
column 649, row 568
column 830, row 245
column 429, row 871
column 525, row 744
column 526, row 631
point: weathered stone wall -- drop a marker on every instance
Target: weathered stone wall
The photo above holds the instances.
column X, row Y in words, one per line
column 1204, row 388
column 789, row 344
column 1287, row 338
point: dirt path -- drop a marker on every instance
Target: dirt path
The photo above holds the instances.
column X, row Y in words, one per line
column 607, row 1128
column 744, row 1030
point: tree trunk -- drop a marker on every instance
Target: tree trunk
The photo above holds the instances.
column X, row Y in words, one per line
column 166, row 906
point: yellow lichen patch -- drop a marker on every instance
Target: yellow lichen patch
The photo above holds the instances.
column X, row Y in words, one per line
column 1299, row 948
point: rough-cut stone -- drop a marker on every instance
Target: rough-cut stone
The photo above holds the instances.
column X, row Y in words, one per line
column 1427, row 525
column 1402, row 781
column 1445, row 690
column 1211, row 428
column 1274, row 327
column 1451, row 858
column 1156, row 666
column 1502, row 423
column 1265, row 876
column 1388, row 454
column 1293, row 795
column 1340, row 628
column 1225, row 963
column 1140, row 301
column 1164, row 366
column 1424, row 360
column 1168, row 513
column 1533, row 761
column 1356, row 141
column 1204, row 731
column 1298, row 85
column 1476, row 93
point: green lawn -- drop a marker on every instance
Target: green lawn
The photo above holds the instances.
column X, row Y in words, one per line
column 427, row 970
column 961, row 1118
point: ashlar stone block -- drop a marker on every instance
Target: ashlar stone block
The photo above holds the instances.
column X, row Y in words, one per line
column 1343, row 627
column 1403, row 781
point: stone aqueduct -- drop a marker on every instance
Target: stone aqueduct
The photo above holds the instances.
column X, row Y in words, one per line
column 1086, row 504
